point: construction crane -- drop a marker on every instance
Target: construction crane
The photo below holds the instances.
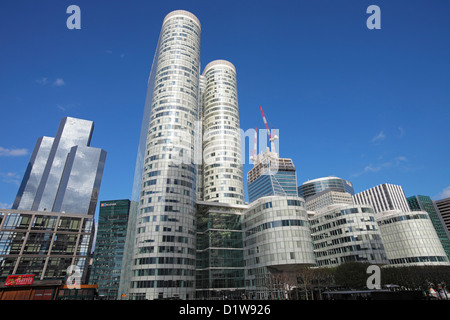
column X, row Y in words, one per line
column 271, row 138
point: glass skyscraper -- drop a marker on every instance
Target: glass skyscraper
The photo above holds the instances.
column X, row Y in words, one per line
column 109, row 247
column 64, row 173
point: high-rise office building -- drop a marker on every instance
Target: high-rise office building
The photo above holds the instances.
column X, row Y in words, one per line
column 312, row 187
column 50, row 226
column 222, row 169
column 424, row 203
column 109, row 247
column 165, row 177
column 270, row 176
column 189, row 152
column 383, row 197
column 443, row 206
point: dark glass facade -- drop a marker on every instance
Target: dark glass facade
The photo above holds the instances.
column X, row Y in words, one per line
column 274, row 177
column 44, row 243
column 220, row 259
column 109, row 247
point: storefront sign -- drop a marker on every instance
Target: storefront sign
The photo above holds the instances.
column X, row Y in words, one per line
column 19, row 280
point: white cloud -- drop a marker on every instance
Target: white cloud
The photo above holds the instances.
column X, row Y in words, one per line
column 5, row 205
column 402, row 131
column 10, row 177
column 59, row 82
column 396, row 162
column 42, row 81
column 400, row 159
column 13, row 152
column 444, row 194
column 379, row 137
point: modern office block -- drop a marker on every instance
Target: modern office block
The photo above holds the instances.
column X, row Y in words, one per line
column 409, row 239
column 346, row 232
column 424, row 203
column 64, row 173
column 50, row 227
column 45, row 244
column 443, row 206
column 220, row 253
column 277, row 238
column 109, row 247
column 326, row 198
column 271, row 175
column 222, row 169
column 384, row 197
column 312, row 187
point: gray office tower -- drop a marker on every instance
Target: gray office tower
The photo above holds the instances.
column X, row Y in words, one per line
column 188, row 117
column 51, row 223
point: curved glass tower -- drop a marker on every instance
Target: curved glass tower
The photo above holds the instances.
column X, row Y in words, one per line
column 222, row 171
column 312, row 187
column 162, row 261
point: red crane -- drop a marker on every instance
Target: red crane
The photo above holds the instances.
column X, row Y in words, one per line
column 271, row 139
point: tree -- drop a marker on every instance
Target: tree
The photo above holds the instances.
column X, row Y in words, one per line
column 351, row 275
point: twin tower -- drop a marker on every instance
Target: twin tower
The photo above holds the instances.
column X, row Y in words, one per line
column 189, row 151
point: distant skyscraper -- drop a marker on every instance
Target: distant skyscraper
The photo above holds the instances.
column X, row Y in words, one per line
column 328, row 197
column 271, row 176
column 398, row 225
column 424, row 203
column 443, row 206
column 383, row 197
column 312, row 187
column 64, row 173
column 109, row 247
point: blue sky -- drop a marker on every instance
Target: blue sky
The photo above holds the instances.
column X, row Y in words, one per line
column 369, row 106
